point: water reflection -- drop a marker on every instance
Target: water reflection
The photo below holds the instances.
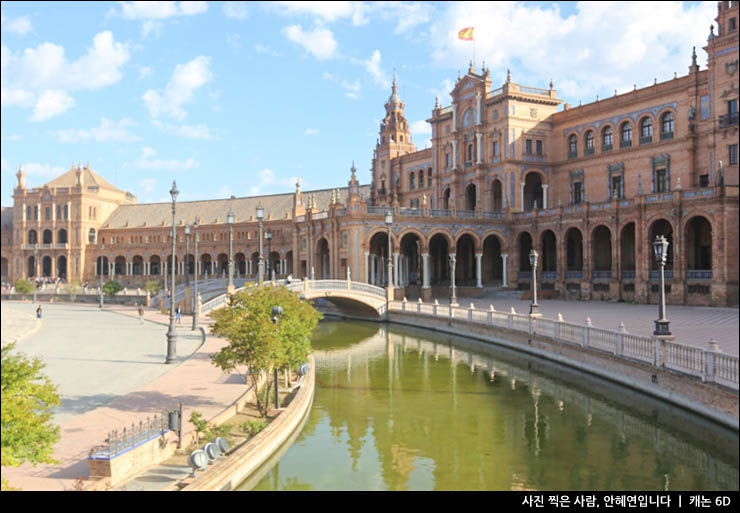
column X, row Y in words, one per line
column 404, row 409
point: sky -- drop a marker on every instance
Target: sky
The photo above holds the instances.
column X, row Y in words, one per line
column 244, row 98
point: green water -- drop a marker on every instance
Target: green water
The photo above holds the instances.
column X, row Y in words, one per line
column 399, row 408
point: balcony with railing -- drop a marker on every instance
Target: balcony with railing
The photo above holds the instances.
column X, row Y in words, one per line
column 655, row 275
column 646, row 140
column 699, row 275
column 666, row 135
column 53, row 245
column 602, row 275
column 728, row 119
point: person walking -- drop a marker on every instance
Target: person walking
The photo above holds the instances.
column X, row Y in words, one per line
column 141, row 314
column 178, row 312
column 39, row 312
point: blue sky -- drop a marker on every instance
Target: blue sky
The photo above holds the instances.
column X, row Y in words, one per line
column 243, row 98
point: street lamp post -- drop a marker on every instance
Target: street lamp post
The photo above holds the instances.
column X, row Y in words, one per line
column 230, row 221
column 35, row 267
column 187, row 265
column 388, row 223
column 261, row 263
column 534, row 309
column 660, row 245
column 277, row 311
column 268, row 236
column 102, row 260
column 171, row 333
column 195, row 278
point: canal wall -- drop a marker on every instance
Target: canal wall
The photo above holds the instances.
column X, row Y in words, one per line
column 688, row 392
column 227, row 473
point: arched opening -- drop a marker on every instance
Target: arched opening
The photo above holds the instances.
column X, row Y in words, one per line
column 62, row 267
column 255, row 263
column 548, row 254
column 289, row 262
column 664, row 228
column 493, row 266
column 47, row 237
column 206, row 264
column 273, row 264
column 189, row 264
column 46, row 266
column 222, row 261
column 627, row 251
column 525, row 246
column 137, row 265
column 410, row 267
column 31, row 267
column 155, row 265
column 439, row 250
column 119, row 266
column 532, row 191
column 378, row 259
column 698, row 244
column 170, row 266
column 101, row 266
column 574, row 252
column 497, row 196
column 601, row 251
column 4, row 268
column 33, row 237
column 240, row 264
column 62, row 236
column 446, row 199
column 470, row 197
column 321, row 260
column 465, row 261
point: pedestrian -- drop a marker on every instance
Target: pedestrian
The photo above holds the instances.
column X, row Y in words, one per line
column 289, row 279
column 141, row 314
column 179, row 314
column 38, row 312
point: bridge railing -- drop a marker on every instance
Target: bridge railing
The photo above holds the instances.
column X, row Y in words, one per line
column 707, row 364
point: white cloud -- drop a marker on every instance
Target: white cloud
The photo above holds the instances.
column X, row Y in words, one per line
column 147, row 161
column 46, row 171
column 160, row 10
column 319, row 42
column 186, row 79
column 311, row 131
column 235, row 10
column 325, row 11
column 149, row 27
column 627, row 42
column 108, row 131
column 372, row 66
column 200, row 131
column 352, row 89
column 268, row 179
column 147, row 184
column 266, row 50
column 42, row 77
column 144, row 71
column 20, row 25
column 421, row 130
column 51, row 103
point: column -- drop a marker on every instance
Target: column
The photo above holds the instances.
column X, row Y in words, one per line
column 146, row 268
column 504, row 256
column 453, row 295
column 478, row 135
column 544, row 195
column 521, row 196
column 425, row 277
column 478, row 277
column 454, row 118
column 372, row 269
column 396, row 270
column 479, row 119
column 367, row 267
column 454, row 154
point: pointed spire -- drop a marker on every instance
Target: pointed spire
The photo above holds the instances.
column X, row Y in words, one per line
column 552, row 86
column 471, row 69
column 508, row 75
column 436, row 103
column 354, row 171
column 693, row 57
column 297, row 185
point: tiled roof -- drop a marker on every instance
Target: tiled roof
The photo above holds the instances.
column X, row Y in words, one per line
column 277, row 206
column 89, row 178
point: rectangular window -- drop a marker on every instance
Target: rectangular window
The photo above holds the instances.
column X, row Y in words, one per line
column 539, row 148
column 704, row 181
column 577, row 192
column 495, row 148
column 528, row 148
column 733, row 154
column 661, row 180
column 447, row 160
column 616, row 187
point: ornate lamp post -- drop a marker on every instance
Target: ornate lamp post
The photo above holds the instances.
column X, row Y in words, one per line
column 36, row 266
column 261, row 263
column 388, row 223
column 268, row 236
column 187, row 265
column 102, row 267
column 534, row 309
column 230, row 221
column 171, row 333
column 195, row 278
column 660, row 245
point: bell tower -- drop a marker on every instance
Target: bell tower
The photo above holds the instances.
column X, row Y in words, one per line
column 394, row 141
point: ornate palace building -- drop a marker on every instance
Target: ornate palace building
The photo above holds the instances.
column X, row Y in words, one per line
column 588, row 187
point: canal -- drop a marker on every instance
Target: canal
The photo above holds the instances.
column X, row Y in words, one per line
column 399, row 408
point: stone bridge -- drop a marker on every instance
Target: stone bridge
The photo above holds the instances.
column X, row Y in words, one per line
column 349, row 297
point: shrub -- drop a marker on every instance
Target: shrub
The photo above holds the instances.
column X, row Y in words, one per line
column 111, row 288
column 24, row 287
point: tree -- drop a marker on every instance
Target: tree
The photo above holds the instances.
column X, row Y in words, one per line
column 112, row 288
column 258, row 343
column 24, row 287
column 152, row 287
column 27, row 395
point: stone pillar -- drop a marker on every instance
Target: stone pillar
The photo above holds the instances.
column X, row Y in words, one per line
column 479, row 148
column 454, row 154
column 396, row 270
column 521, row 196
column 372, row 269
column 453, row 295
column 426, row 281
column 367, row 267
column 478, row 277
column 505, row 282
column 544, row 195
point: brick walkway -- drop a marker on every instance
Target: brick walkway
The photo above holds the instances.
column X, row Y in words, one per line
column 195, row 382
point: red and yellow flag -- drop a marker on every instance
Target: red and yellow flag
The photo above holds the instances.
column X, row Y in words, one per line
column 466, row 34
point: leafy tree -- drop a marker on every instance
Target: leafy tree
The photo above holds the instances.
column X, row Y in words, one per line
column 112, row 288
column 259, row 343
column 74, row 288
column 24, row 287
column 153, row 287
column 27, row 395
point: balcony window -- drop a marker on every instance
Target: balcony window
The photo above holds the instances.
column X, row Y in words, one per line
column 577, row 192
column 733, row 154
column 616, row 187
column 606, row 141
column 666, row 126
column 528, row 147
column 539, row 148
column 589, row 150
column 661, row 181
column 646, row 131
column 626, row 136
column 572, row 146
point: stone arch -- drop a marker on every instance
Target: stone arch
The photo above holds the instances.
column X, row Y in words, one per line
column 47, row 237
column 646, row 120
column 446, row 198
column 33, row 237
column 375, row 231
column 410, row 265
column 601, row 248
column 105, row 267
column 62, row 236
column 607, row 134
column 378, row 257
column 439, row 251
column 137, row 265
column 533, row 191
column 62, row 266
column 119, row 265
column 626, row 133
column 492, row 267
column 321, row 259
column 465, row 266
column 497, row 195
column 658, row 227
column 574, row 249
column 155, row 265
column 571, row 142
column 46, row 265
column 206, row 264
column 31, row 262
column 627, row 249
column 548, row 260
column 471, row 197
column 698, row 243
column 222, row 264
column 667, row 119
column 524, row 246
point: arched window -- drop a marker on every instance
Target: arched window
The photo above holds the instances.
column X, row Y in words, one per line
column 589, row 143
column 646, row 131
column 666, row 126
column 47, row 237
column 606, row 139
column 412, row 181
column 625, row 135
column 62, row 236
column 429, row 180
column 91, row 236
column 32, row 237
column 572, row 146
